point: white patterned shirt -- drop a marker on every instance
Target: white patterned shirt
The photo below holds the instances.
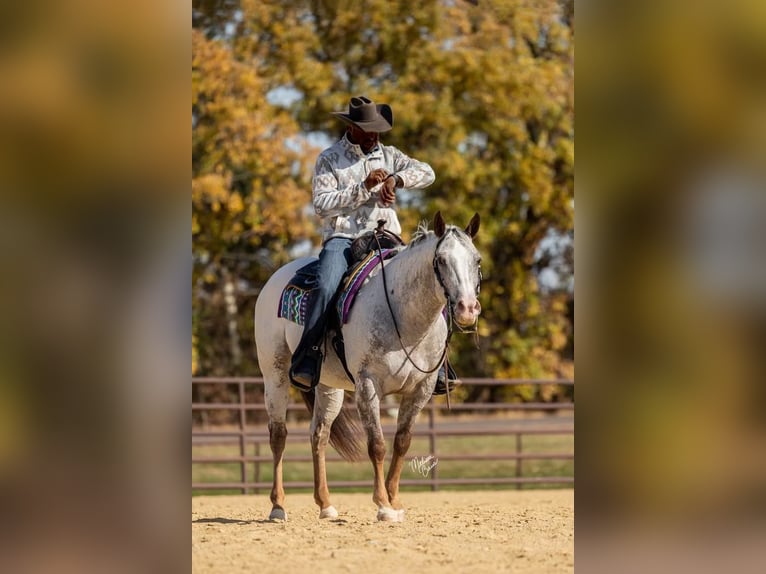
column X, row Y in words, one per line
column 340, row 198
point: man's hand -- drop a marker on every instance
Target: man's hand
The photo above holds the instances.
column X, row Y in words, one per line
column 388, row 191
column 375, row 177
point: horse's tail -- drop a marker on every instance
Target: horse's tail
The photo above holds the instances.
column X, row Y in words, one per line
column 346, row 434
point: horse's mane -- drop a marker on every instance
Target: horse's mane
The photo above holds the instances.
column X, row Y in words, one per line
column 423, row 233
column 420, row 233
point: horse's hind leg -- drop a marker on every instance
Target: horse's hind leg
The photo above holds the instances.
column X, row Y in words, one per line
column 277, row 440
column 328, row 402
column 276, row 395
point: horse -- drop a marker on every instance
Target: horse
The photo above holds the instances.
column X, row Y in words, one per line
column 395, row 338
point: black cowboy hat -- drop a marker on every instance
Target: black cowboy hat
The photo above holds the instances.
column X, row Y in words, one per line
column 367, row 115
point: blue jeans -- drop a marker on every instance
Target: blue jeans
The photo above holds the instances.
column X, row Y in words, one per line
column 334, row 260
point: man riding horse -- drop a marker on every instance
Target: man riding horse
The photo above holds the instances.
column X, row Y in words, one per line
column 354, row 188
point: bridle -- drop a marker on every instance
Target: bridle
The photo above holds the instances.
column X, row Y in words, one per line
column 447, row 296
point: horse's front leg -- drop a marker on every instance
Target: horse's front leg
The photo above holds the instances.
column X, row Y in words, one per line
column 409, row 409
column 327, row 405
column 368, row 405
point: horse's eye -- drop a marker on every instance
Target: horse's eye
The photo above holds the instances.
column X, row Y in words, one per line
column 441, row 260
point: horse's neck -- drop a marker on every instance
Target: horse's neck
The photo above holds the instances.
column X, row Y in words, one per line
column 417, row 297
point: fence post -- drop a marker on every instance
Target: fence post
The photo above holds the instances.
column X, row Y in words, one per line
column 518, row 459
column 242, row 421
column 257, row 472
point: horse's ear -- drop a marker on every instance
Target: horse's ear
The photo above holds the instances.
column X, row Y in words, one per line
column 473, row 226
column 439, row 225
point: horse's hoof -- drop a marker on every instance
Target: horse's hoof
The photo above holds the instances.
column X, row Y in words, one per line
column 390, row 515
column 328, row 512
column 278, row 514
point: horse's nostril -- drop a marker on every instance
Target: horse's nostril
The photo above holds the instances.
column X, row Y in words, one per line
column 472, row 308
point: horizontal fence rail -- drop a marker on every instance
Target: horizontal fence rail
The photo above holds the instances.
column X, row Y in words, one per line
column 242, row 435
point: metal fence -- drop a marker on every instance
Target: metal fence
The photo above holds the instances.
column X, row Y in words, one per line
column 435, row 427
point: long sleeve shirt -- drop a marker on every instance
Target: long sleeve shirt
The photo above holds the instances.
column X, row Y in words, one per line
column 342, row 201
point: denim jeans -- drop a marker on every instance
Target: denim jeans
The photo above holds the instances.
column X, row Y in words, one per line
column 334, row 260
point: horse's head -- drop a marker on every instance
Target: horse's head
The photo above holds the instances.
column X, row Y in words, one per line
column 457, row 265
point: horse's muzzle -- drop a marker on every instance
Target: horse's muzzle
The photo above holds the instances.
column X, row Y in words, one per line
column 466, row 311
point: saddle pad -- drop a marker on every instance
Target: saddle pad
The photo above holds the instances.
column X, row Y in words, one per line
column 297, row 294
column 294, row 303
column 355, row 279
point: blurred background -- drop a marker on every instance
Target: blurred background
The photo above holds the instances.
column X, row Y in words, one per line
column 94, row 296
column 671, row 433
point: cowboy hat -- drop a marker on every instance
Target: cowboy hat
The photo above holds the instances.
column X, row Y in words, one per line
column 365, row 114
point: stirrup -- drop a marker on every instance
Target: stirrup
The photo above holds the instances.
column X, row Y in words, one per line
column 441, row 386
column 450, row 378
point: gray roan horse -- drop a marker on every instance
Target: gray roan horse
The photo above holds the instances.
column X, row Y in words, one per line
column 394, row 345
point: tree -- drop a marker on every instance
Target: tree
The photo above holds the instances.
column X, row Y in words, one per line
column 248, row 194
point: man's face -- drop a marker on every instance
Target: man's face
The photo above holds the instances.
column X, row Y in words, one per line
column 366, row 140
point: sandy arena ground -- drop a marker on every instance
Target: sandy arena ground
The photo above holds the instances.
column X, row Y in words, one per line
column 506, row 531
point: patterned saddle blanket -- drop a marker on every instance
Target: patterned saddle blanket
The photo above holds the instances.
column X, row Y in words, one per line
column 296, row 296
